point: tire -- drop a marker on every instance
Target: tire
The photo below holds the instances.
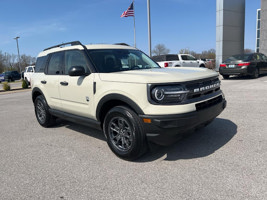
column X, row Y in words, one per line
column 256, row 73
column 42, row 114
column 28, row 83
column 203, row 66
column 226, row 76
column 125, row 133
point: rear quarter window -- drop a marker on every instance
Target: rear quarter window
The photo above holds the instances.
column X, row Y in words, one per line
column 40, row 64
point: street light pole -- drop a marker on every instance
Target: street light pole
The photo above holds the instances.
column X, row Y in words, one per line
column 149, row 27
column 16, row 38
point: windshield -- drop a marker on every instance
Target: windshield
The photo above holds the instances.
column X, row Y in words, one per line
column 243, row 57
column 114, row 60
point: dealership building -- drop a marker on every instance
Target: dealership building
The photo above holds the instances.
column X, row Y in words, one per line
column 230, row 28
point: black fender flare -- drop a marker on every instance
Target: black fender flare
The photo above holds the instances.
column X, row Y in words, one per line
column 34, row 90
column 120, row 98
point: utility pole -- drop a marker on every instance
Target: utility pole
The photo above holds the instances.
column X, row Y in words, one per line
column 149, row 27
column 16, row 38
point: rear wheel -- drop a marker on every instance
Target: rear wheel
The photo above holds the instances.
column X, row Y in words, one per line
column 256, row 73
column 43, row 116
column 225, row 76
column 125, row 134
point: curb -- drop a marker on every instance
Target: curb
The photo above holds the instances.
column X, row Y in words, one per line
column 14, row 90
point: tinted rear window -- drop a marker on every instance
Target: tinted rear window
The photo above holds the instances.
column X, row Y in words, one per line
column 40, row 64
column 168, row 57
column 242, row 57
column 172, row 57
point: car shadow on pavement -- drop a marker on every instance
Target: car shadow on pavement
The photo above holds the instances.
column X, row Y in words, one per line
column 201, row 143
column 81, row 129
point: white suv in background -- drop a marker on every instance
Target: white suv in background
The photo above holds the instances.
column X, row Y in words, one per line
column 28, row 74
column 119, row 89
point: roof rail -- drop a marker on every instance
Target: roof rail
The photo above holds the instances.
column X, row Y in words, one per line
column 63, row 44
column 124, row 44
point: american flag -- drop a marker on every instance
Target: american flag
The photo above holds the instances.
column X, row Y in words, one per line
column 129, row 12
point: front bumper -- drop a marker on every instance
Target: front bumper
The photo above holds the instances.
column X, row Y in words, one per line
column 166, row 129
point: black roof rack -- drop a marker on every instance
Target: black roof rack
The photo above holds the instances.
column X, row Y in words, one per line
column 124, row 44
column 63, row 44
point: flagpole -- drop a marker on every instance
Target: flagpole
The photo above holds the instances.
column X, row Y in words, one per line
column 134, row 25
column 149, row 27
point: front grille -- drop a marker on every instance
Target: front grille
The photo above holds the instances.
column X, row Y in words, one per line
column 202, row 87
column 209, row 103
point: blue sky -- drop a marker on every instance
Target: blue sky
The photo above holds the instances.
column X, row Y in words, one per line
column 177, row 24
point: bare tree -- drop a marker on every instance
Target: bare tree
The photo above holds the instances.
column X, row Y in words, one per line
column 26, row 61
column 160, row 49
column 210, row 54
column 248, row 51
column 184, row 51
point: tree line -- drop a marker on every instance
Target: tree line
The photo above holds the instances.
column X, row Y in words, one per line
column 10, row 62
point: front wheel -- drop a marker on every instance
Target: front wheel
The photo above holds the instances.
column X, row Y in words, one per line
column 125, row 134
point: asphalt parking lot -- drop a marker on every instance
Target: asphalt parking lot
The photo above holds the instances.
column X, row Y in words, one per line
column 225, row 160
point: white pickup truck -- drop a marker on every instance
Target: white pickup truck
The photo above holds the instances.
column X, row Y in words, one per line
column 178, row 60
column 28, row 74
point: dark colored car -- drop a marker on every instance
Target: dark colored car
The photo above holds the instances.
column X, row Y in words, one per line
column 252, row 64
column 2, row 78
column 12, row 76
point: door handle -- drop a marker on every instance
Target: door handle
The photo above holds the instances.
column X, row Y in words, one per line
column 43, row 82
column 64, row 83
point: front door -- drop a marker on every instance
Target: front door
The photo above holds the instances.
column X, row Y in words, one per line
column 76, row 91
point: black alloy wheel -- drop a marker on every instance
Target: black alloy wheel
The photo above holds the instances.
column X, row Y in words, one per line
column 125, row 134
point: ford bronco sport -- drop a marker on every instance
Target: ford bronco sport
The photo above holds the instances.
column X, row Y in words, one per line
column 120, row 90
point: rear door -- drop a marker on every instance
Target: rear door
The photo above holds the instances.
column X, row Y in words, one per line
column 50, row 81
column 77, row 91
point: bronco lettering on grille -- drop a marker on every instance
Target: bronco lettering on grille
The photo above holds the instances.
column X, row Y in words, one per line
column 207, row 87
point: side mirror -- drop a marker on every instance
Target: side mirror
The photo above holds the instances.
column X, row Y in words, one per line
column 76, row 71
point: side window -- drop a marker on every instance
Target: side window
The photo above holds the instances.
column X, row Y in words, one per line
column 191, row 58
column 55, row 64
column 257, row 57
column 73, row 59
column 29, row 69
column 184, row 57
column 40, row 64
column 263, row 57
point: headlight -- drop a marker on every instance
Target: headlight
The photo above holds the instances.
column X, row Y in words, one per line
column 168, row 94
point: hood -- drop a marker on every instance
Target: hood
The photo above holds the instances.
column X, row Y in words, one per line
column 159, row 75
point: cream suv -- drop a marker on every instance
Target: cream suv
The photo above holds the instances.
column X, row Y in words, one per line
column 119, row 89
